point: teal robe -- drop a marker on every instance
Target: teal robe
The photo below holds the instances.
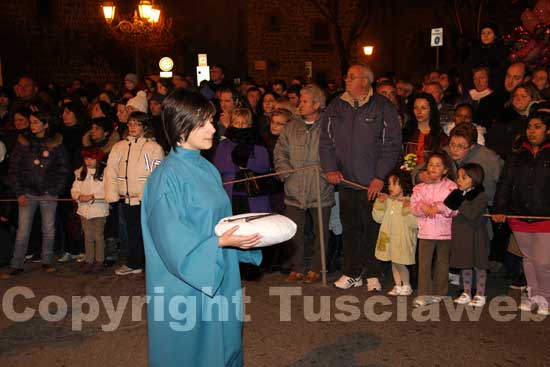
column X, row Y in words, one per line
column 194, row 308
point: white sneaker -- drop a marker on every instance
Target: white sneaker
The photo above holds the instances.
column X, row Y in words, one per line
column 541, row 303
column 406, row 290
column 464, row 299
column 125, row 270
column 527, row 304
column 478, row 301
column 346, row 282
column 454, row 279
column 396, row 290
column 422, row 301
column 66, row 258
column 373, row 285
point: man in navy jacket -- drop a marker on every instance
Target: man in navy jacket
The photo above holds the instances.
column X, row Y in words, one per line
column 360, row 142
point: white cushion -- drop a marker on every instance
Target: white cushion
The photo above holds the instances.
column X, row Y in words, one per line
column 274, row 228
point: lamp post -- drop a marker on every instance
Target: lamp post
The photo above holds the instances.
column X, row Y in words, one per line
column 143, row 27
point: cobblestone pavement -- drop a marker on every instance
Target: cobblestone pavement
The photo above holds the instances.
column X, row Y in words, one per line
column 326, row 327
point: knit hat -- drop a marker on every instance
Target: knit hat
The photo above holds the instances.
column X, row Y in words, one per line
column 104, row 123
column 157, row 97
column 139, row 102
column 131, row 77
column 492, row 26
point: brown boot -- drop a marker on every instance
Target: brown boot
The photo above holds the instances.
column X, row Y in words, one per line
column 10, row 274
column 294, row 277
column 312, row 277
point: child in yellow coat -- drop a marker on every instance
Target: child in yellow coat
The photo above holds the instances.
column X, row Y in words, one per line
column 398, row 230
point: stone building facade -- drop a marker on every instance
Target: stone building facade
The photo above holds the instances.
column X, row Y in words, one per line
column 52, row 40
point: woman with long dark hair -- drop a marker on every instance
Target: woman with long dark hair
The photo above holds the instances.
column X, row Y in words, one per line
column 523, row 191
column 422, row 134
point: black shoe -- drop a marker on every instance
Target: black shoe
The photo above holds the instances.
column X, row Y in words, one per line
column 10, row 274
column 519, row 282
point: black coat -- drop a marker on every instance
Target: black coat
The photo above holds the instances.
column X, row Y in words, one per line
column 503, row 136
column 493, row 56
column 469, row 234
column 39, row 166
column 525, row 183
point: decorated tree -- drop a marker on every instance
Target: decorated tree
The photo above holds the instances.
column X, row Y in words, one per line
column 530, row 42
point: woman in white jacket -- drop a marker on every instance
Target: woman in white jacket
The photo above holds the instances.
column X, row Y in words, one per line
column 88, row 189
column 130, row 163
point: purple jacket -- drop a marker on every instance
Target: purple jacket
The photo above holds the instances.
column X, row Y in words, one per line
column 259, row 162
column 438, row 228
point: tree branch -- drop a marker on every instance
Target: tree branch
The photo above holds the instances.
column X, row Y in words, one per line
column 360, row 21
column 323, row 8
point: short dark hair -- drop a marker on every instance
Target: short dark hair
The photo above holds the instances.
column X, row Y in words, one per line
column 467, row 131
column 475, row 172
column 145, row 122
column 234, row 94
column 541, row 115
column 44, row 117
column 481, row 68
column 294, row 88
column 465, row 105
column 183, row 111
column 281, row 82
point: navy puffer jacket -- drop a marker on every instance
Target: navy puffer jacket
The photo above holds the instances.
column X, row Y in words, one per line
column 39, row 166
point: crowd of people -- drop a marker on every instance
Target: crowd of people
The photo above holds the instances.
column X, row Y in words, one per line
column 454, row 173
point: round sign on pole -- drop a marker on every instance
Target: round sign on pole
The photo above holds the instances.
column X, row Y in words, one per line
column 166, row 64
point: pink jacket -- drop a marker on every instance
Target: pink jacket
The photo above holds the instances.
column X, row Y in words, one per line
column 438, row 228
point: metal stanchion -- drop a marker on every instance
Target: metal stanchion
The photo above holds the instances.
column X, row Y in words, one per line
column 321, row 227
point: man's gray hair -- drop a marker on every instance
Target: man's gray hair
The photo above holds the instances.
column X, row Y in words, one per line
column 366, row 70
column 317, row 93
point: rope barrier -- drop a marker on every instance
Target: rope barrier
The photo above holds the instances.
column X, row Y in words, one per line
column 278, row 173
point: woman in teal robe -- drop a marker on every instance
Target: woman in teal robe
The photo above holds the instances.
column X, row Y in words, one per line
column 193, row 282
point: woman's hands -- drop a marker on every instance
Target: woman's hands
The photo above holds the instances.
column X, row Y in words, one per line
column 229, row 239
column 86, row 198
column 498, row 218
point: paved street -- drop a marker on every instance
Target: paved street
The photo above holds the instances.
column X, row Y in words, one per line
column 302, row 341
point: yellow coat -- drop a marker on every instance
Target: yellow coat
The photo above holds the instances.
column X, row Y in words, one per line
column 398, row 232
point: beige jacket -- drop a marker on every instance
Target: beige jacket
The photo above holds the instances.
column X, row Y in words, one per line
column 130, row 162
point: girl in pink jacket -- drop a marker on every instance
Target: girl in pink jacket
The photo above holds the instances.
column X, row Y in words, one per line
column 434, row 229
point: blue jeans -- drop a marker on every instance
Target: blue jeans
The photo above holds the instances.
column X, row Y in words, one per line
column 26, row 215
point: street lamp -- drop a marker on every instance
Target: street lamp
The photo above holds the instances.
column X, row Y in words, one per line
column 144, row 8
column 368, row 50
column 109, row 11
column 147, row 11
column 143, row 28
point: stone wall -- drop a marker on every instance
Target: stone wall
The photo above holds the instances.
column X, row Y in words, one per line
column 53, row 40
column 285, row 48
